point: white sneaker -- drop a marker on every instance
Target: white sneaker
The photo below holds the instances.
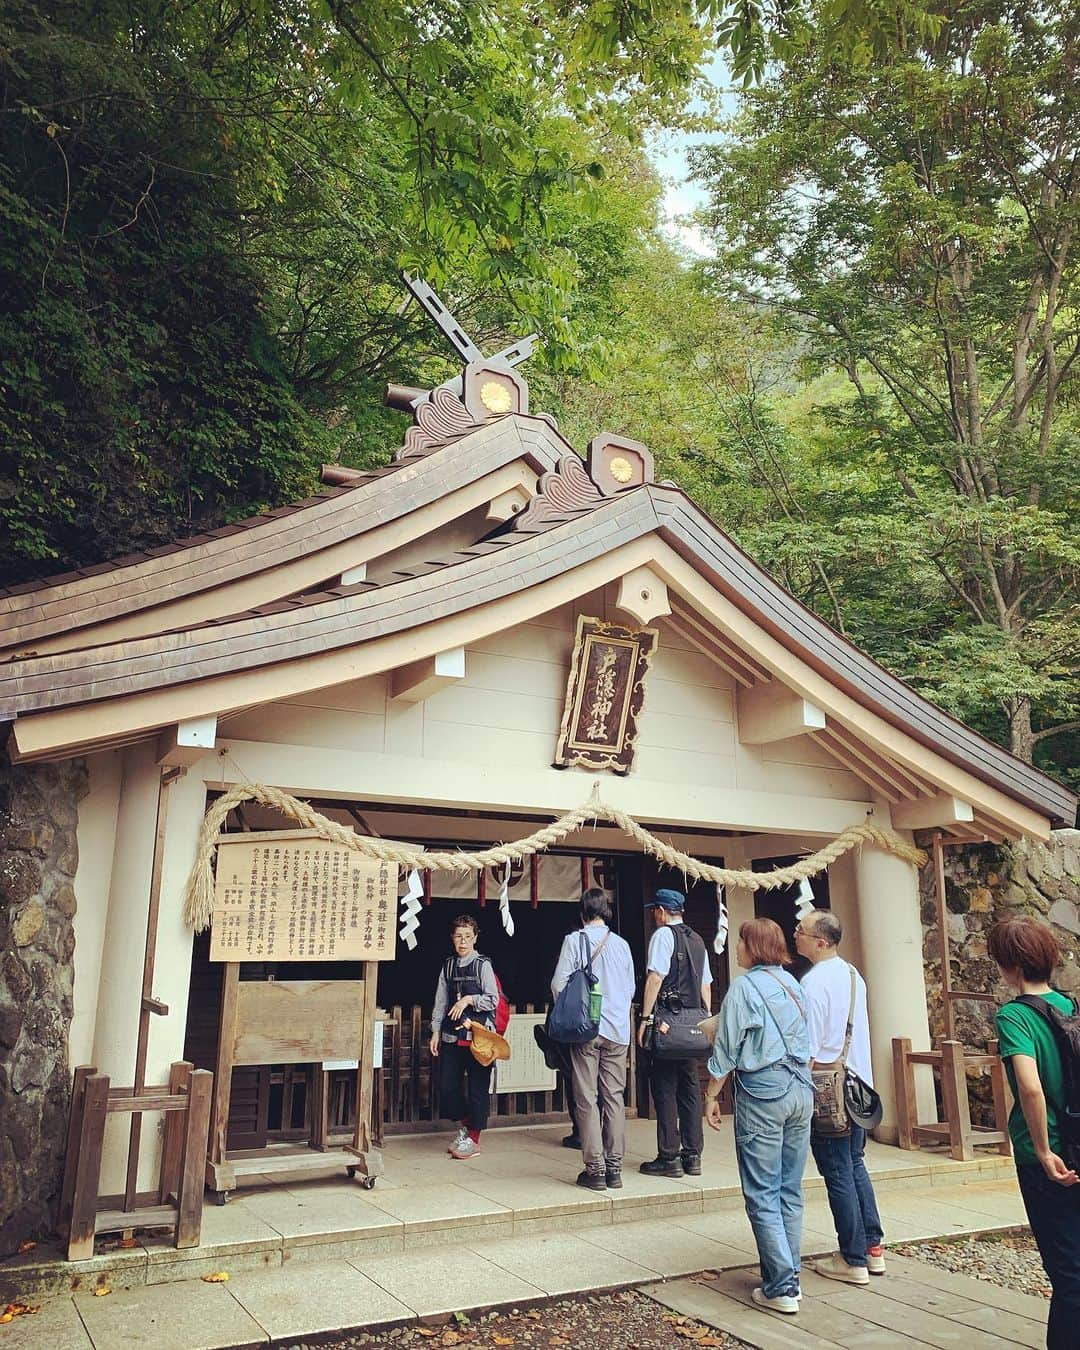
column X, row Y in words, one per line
column 836, row 1268
column 781, row 1303
column 468, row 1148
column 875, row 1260
column 458, row 1138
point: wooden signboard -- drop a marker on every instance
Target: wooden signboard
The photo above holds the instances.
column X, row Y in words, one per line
column 604, row 695
column 291, row 895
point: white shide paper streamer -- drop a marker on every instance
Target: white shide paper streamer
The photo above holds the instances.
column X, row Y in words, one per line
column 504, row 902
column 410, row 910
column 720, row 941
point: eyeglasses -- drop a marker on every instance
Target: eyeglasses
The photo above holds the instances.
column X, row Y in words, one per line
column 798, row 929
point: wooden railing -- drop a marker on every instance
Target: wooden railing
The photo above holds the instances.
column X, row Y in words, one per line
column 407, row 1091
column 952, row 1063
column 177, row 1203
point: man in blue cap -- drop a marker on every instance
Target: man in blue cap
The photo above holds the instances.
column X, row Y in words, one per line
column 677, row 975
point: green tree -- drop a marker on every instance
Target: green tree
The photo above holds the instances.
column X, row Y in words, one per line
column 204, row 207
column 912, row 222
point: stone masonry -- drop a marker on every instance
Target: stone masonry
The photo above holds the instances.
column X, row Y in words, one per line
column 38, row 858
column 984, row 883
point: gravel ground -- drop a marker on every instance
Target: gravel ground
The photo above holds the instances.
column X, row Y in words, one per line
column 615, row 1321
column 1010, row 1260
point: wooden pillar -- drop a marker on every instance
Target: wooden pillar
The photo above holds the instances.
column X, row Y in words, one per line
column 173, row 1136
column 88, row 1168
column 943, row 932
column 954, row 1097
column 907, row 1111
column 887, row 892
column 196, row 1124
column 230, row 979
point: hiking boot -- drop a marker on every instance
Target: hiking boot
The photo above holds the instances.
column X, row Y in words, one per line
column 592, row 1181
column 691, row 1164
column 468, row 1148
column 458, row 1139
column 662, row 1167
column 781, row 1303
column 875, row 1260
column 613, row 1177
column 572, row 1141
column 836, row 1268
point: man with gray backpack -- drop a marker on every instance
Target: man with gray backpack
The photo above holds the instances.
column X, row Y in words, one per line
column 593, row 986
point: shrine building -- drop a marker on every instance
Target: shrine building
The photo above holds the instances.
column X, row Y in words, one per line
column 452, row 651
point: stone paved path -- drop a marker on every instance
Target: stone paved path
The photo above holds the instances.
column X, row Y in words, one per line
column 914, row 1305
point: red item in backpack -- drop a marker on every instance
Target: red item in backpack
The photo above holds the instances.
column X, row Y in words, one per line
column 502, row 1009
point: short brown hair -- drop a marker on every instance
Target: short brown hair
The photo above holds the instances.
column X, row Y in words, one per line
column 1026, row 945
column 764, row 942
column 465, row 921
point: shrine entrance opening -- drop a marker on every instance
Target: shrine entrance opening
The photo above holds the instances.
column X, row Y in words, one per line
column 273, row 1104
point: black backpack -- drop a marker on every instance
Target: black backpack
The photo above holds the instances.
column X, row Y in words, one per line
column 1066, row 1029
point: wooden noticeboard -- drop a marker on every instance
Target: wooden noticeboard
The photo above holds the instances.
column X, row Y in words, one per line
column 291, row 895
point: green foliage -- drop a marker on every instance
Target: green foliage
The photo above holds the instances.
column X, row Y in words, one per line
column 204, row 208
column 911, row 223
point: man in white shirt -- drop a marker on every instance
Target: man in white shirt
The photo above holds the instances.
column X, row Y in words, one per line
column 599, row 1066
column 827, row 986
column 674, row 1084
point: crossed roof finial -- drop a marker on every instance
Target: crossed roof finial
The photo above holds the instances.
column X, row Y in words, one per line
column 465, row 347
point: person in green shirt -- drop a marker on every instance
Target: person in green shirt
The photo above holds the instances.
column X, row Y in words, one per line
column 1026, row 952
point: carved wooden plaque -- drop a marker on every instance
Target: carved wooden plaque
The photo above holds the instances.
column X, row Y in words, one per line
column 604, row 695
column 291, row 895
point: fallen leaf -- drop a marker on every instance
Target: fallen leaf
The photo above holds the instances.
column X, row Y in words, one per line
column 427, row 1331
column 128, row 1243
column 451, row 1337
column 102, row 1290
column 709, row 1340
column 6, row 1317
column 27, row 1246
column 503, row 1340
column 216, row 1277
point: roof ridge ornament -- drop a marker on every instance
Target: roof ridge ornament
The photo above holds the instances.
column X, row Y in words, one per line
column 489, row 387
column 614, row 464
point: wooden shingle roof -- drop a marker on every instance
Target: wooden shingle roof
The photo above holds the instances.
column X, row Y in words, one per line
column 528, row 553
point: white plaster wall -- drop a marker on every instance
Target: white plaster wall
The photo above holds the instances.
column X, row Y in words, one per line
column 96, row 834
column 507, row 709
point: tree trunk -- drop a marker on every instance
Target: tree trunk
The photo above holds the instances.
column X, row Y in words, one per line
column 1021, row 741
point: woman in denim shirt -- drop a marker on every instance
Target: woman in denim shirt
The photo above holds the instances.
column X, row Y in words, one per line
column 762, row 1038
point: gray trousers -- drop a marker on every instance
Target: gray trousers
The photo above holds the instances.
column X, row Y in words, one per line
column 599, row 1074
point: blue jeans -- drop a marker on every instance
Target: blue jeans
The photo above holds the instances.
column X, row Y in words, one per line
column 851, row 1196
column 1054, row 1215
column 772, row 1136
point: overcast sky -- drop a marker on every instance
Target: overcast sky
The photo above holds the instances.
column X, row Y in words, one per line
column 668, row 152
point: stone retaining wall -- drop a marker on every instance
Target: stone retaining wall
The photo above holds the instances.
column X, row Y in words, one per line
column 984, row 883
column 38, row 858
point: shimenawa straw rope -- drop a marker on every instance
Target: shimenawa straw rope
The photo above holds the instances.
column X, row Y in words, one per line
column 199, row 898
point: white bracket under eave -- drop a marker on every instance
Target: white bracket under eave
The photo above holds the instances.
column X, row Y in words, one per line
column 772, row 712
column 420, row 679
column 926, row 812
column 643, row 595
column 186, row 742
column 509, row 503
